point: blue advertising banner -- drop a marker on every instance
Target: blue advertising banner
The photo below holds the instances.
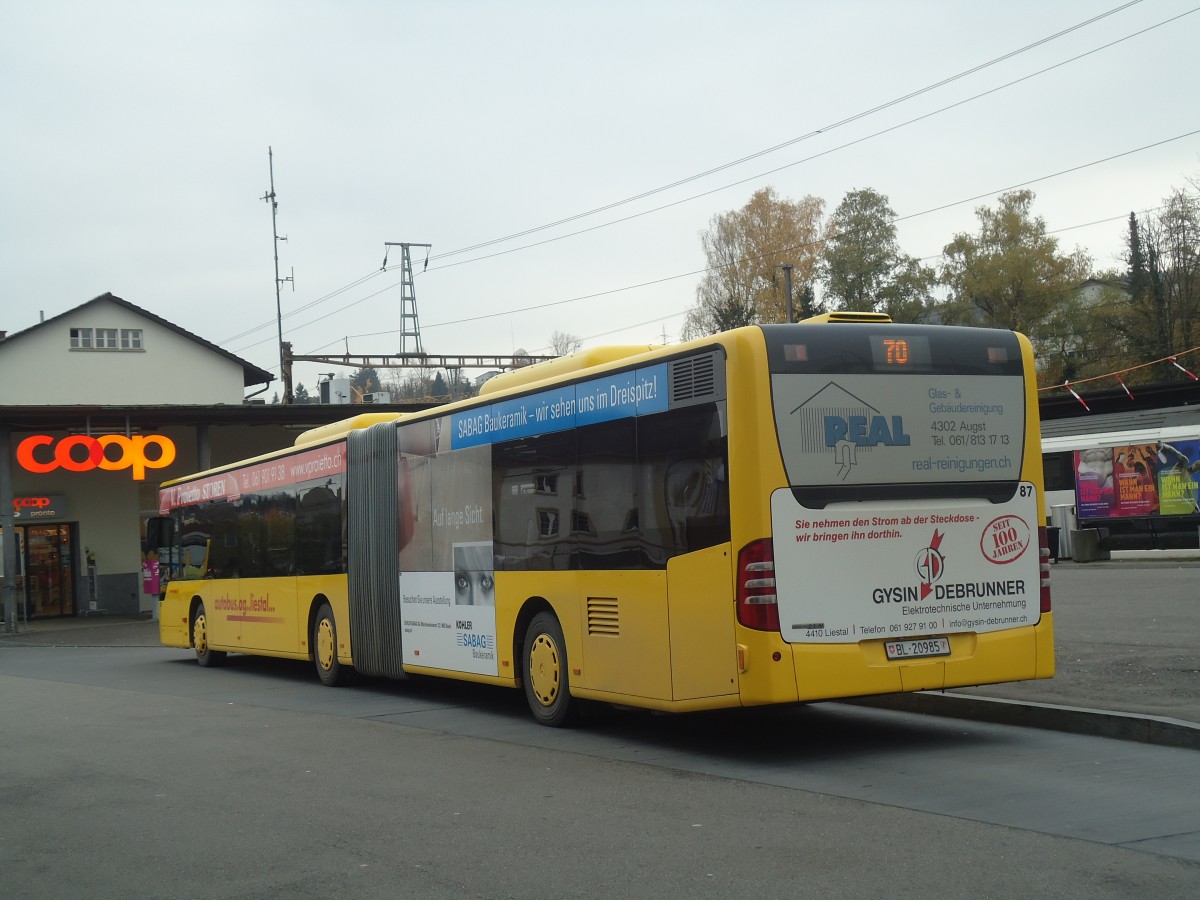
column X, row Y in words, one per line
column 636, row 393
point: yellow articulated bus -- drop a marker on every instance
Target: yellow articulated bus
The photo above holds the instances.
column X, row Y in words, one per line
column 776, row 514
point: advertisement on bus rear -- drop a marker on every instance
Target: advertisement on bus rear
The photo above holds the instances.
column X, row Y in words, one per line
column 866, row 429
column 862, row 571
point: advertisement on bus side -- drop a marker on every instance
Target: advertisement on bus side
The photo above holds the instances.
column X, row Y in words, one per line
column 635, row 393
column 445, row 543
column 295, row 468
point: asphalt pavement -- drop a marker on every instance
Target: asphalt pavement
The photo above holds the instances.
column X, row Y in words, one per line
column 1127, row 637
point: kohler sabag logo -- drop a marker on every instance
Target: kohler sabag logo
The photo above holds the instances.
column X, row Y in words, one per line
column 835, row 419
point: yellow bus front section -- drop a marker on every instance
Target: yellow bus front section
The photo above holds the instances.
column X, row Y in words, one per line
column 174, row 625
column 262, row 616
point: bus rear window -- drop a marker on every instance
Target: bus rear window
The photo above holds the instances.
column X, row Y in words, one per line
column 955, row 417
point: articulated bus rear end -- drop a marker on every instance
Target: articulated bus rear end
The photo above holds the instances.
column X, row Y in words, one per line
column 888, row 518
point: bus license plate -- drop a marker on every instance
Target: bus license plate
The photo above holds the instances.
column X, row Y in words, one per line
column 917, row 648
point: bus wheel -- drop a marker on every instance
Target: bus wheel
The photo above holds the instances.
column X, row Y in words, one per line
column 324, row 647
column 205, row 655
column 544, row 672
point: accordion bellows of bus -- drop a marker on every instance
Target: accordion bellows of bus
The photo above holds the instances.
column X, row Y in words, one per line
column 775, row 514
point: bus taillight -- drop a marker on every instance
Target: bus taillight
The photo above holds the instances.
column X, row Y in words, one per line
column 1043, row 540
column 757, row 604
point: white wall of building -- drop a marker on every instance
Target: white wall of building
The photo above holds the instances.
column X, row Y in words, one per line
column 39, row 367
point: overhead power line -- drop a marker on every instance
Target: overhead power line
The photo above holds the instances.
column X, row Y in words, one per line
column 706, row 270
column 904, row 218
column 814, row 156
column 823, row 130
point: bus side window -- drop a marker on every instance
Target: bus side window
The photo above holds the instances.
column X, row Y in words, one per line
column 684, row 462
column 604, row 520
column 532, row 493
column 319, row 530
column 278, row 511
column 221, row 518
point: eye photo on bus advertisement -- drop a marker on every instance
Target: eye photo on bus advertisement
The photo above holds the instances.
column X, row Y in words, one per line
column 474, row 583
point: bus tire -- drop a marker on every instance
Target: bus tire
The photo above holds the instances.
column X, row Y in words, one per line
column 324, row 647
column 205, row 654
column 544, row 672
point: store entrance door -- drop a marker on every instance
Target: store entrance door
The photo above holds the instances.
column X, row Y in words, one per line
column 50, row 570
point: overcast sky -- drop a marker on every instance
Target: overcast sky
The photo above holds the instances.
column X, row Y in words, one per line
column 135, row 135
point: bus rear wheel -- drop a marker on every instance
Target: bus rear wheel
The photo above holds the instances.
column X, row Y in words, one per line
column 205, row 654
column 324, row 648
column 544, row 672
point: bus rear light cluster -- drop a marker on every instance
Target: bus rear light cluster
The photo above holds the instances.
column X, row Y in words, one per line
column 757, row 603
column 1043, row 541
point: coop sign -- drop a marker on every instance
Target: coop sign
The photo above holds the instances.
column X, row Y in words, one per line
column 41, row 455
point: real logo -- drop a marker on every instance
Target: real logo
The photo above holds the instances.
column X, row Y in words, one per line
column 866, row 431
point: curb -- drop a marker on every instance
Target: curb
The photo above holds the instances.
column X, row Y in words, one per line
column 82, row 621
column 1120, row 726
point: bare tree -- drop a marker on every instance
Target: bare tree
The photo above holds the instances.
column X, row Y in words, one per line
column 1172, row 241
column 564, row 343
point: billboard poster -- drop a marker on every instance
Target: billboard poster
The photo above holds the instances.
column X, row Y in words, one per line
column 1157, row 479
column 1094, row 494
column 1134, row 480
column 1178, row 465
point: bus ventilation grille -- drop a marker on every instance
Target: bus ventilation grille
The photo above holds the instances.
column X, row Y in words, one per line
column 602, row 617
column 694, row 378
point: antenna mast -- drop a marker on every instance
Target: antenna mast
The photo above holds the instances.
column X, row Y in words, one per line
column 285, row 370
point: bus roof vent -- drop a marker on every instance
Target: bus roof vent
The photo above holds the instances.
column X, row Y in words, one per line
column 849, row 316
column 697, row 379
